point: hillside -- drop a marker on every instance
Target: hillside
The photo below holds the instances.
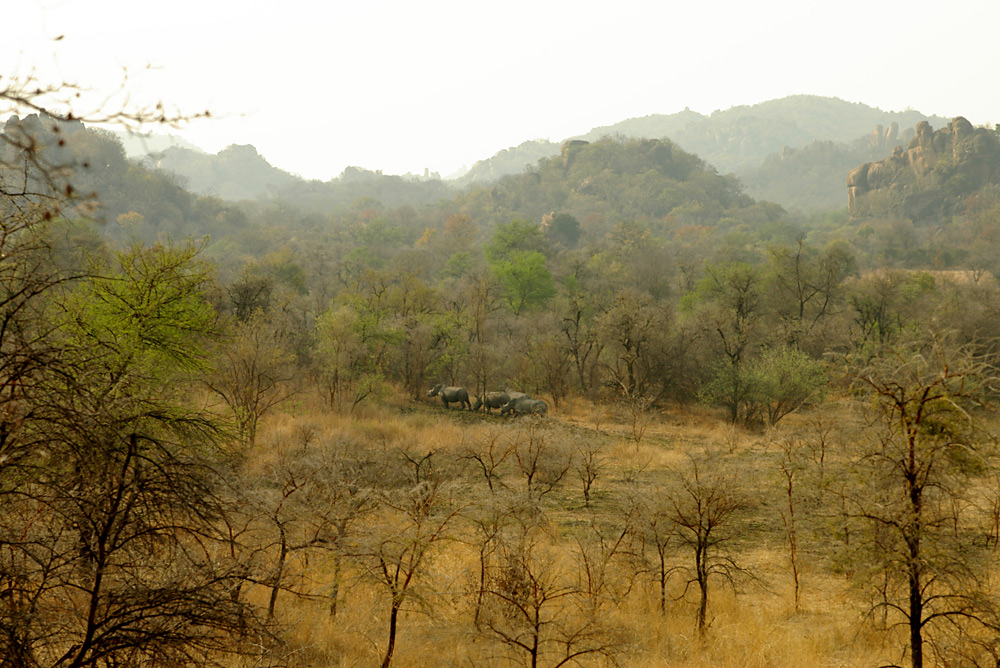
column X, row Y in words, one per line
column 758, row 144
column 928, row 180
column 611, row 180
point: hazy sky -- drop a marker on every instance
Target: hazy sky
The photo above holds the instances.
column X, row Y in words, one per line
column 403, row 85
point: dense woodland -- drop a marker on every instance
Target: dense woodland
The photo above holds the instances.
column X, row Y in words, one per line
column 770, row 438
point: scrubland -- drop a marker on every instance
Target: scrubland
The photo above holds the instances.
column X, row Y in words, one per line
column 753, row 619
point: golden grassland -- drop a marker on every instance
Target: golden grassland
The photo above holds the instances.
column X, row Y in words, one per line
column 756, row 626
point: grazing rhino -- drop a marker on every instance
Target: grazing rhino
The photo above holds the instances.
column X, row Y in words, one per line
column 525, row 406
column 491, row 400
column 451, row 395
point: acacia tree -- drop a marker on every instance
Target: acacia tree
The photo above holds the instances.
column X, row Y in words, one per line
column 918, row 467
column 112, row 552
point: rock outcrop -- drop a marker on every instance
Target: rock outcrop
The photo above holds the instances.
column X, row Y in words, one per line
column 927, row 178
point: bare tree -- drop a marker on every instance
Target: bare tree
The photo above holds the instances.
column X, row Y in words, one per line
column 703, row 508
column 253, row 373
column 309, row 503
column 601, row 553
column 338, row 502
column 582, row 344
column 635, row 332
column 655, row 531
column 490, row 456
column 790, row 467
column 491, row 519
column 542, row 463
column 588, row 463
column 397, row 551
column 537, row 609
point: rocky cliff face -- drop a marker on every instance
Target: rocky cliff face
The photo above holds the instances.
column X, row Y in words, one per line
column 927, row 179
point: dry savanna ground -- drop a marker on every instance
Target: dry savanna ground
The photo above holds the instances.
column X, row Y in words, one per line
column 641, row 457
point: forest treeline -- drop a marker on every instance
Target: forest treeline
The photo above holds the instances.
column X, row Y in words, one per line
column 620, row 270
column 148, row 335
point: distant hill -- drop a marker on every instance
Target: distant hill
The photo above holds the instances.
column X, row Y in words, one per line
column 511, row 160
column 237, row 172
column 356, row 185
column 741, row 139
column 141, row 144
column 795, row 151
column 654, row 126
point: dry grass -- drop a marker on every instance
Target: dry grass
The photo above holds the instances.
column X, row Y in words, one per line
column 756, row 627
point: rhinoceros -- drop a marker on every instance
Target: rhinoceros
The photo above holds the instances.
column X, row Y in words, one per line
column 525, row 406
column 451, row 395
column 516, row 395
column 491, row 400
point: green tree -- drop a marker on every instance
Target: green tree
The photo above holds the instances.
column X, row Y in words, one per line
column 517, row 236
column 526, row 279
column 730, row 302
column 784, row 379
column 110, row 524
column 768, row 387
column 563, row 230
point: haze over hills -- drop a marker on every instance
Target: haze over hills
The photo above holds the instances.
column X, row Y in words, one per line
column 795, row 151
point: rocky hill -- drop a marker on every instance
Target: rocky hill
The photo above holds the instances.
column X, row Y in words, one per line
column 927, row 179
